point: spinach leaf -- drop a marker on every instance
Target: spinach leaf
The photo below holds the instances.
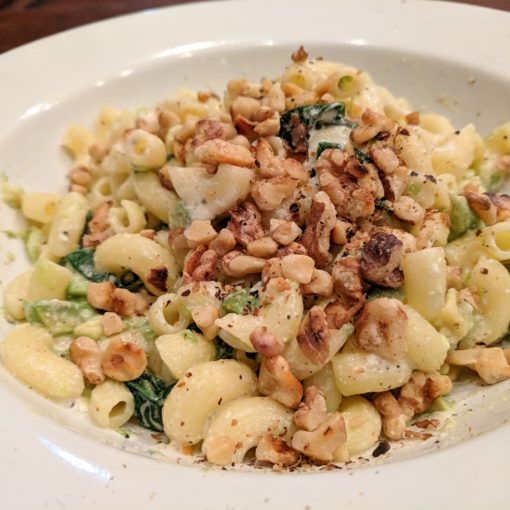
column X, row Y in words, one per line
column 326, row 145
column 315, row 116
column 223, row 350
column 82, row 261
column 149, row 393
column 363, row 157
column 142, row 325
column 241, row 302
column 379, row 292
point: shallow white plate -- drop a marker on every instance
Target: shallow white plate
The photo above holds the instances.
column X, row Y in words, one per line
column 443, row 57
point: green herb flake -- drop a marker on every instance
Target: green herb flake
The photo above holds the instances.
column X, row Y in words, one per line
column 327, row 145
column 241, row 302
column 149, row 393
column 190, row 335
column 223, row 350
column 363, row 157
column 180, row 216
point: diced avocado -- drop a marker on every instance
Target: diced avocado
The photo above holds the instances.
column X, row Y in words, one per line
column 379, row 292
column 58, row 316
column 91, row 328
column 77, row 287
column 441, row 404
column 142, row 325
column 240, row 302
column 462, row 218
column 33, row 239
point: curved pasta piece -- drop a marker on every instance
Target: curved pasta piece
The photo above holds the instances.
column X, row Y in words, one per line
column 15, row 295
column 68, row 224
column 27, row 354
column 111, row 404
column 239, row 426
column 39, row 206
column 202, row 389
column 426, row 347
column 496, row 240
column 492, row 283
column 363, row 372
column 208, row 196
column 128, row 218
column 144, row 257
column 301, row 366
column 155, row 198
column 425, row 281
column 182, row 351
column 362, row 423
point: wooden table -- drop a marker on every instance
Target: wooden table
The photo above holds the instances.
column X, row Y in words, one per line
column 22, row 21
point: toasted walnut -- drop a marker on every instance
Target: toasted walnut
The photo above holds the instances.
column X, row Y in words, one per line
column 98, row 152
column 320, row 223
column 413, row 118
column 295, row 170
column 223, row 243
column 408, row 210
column 434, row 230
column 267, row 163
column 372, row 124
column 86, row 354
column 278, row 382
column 394, row 416
column 490, row 362
column 111, row 324
column 381, row 256
column 422, row 389
column 341, row 231
column 483, row 206
column 346, row 274
column 265, row 343
column 218, row 151
column 298, row 268
column 206, row 268
column 286, row 233
column 313, row 336
column 270, row 193
column 502, row 203
column 396, row 183
column 127, row 303
column 272, row 269
column 292, row 248
column 322, row 442
column 123, row 361
column 276, row 451
column 199, row 232
column 80, row 175
column 245, row 224
column 268, row 127
column 384, row 158
column 381, row 328
column 99, row 221
column 275, row 98
column 320, row 284
column 99, row 295
column 264, row 247
column 158, row 277
column 300, row 55
column 204, row 317
column 245, row 107
column 312, row 411
column 340, row 312
column 236, row 265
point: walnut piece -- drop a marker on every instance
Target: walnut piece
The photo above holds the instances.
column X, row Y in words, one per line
column 237, row 265
column 321, row 443
column 320, row 284
column 278, row 382
column 299, row 56
column 111, row 323
column 312, row 412
column 320, row 223
column 276, row 451
column 105, row 296
column 265, row 343
column 123, row 361
column 245, row 223
column 380, row 260
column 381, row 328
column 394, row 416
column 313, row 336
column 218, row 151
column 86, row 354
column 490, row 363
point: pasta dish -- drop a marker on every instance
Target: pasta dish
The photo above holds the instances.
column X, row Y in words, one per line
column 298, row 271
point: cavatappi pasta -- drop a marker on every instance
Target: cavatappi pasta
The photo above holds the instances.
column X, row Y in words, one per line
column 299, row 269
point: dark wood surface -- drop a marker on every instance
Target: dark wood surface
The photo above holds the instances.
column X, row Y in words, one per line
column 22, row 21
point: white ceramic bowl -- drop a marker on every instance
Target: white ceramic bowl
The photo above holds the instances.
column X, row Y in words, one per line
column 429, row 52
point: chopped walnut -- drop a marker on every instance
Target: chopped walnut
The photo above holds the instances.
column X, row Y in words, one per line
column 299, row 56
column 490, row 362
column 223, row 243
column 384, row 158
column 320, row 284
column 322, row 442
column 313, row 336
column 80, row 175
column 99, row 295
column 206, row 268
column 278, row 382
column 272, row 269
column 275, row 98
column 320, row 223
column 111, row 324
column 286, row 233
column 270, row 193
column 346, row 274
column 340, row 312
column 86, row 354
column 158, row 277
column 205, row 317
column 268, row 165
column 394, row 416
column 292, row 248
column 265, row 343
column 199, row 232
column 413, row 118
column 245, row 223
column 105, row 296
column 408, row 210
column 312, row 411
column 264, row 247
column 298, row 268
column 381, row 328
column 381, row 256
column 276, row 451
column 372, row 124
column 237, row 265
column 97, row 226
column 422, row 389
column 483, row 206
column 218, row 151
column 123, row 361
column 434, row 230
column 341, row 231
